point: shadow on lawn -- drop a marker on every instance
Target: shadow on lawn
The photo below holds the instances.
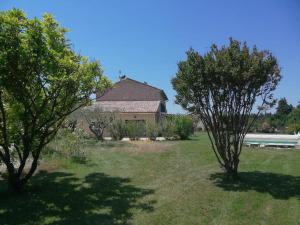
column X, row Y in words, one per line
column 61, row 198
column 280, row 186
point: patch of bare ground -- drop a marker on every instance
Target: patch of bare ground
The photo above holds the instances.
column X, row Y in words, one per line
column 48, row 166
column 43, row 166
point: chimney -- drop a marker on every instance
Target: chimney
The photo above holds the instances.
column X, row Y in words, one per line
column 122, row 77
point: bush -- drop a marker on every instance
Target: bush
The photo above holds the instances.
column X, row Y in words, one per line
column 177, row 126
column 118, row 130
column 135, row 130
column 294, row 128
column 168, row 128
column 183, row 127
column 69, row 144
column 152, row 130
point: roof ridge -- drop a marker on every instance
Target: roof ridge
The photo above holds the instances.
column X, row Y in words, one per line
column 141, row 83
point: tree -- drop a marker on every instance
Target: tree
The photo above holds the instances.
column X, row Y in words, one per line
column 42, row 80
column 97, row 120
column 279, row 119
column 221, row 87
column 293, row 121
column 283, row 108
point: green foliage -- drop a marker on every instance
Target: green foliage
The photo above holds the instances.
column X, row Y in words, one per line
column 183, row 127
column 118, row 129
column 294, row 128
column 103, row 85
column 294, row 116
column 135, row 130
column 152, row 130
column 42, row 80
column 171, row 127
column 168, row 128
column 221, row 87
column 70, row 144
column 283, row 108
column 293, row 121
column 278, row 122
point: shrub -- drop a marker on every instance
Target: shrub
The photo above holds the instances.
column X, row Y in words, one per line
column 135, row 130
column 69, row 144
column 152, row 130
column 294, row 128
column 168, row 128
column 118, row 129
column 183, row 127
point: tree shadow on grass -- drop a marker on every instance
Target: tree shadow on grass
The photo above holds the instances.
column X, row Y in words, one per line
column 280, row 186
column 62, row 198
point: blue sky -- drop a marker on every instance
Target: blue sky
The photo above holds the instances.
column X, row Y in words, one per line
column 146, row 39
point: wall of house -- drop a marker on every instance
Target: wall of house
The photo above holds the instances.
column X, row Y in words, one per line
column 148, row 117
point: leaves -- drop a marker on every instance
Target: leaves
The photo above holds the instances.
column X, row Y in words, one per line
column 222, row 87
column 42, row 80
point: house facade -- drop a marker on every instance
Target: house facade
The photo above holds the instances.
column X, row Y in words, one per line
column 134, row 101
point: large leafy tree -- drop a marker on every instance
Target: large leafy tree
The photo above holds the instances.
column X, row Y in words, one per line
column 42, row 80
column 222, row 87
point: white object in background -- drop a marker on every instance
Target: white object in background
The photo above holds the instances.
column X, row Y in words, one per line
column 108, row 138
column 160, row 139
column 144, row 139
column 125, row 139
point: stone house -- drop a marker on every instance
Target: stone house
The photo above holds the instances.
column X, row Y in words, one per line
column 134, row 101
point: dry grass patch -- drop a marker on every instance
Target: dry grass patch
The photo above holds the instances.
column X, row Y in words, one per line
column 152, row 146
column 147, row 146
column 48, row 166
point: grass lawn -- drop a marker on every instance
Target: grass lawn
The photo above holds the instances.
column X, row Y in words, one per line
column 158, row 183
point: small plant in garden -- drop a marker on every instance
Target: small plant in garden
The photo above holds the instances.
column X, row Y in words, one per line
column 168, row 128
column 152, row 130
column 118, row 129
column 70, row 144
column 135, row 130
column 183, row 127
column 97, row 120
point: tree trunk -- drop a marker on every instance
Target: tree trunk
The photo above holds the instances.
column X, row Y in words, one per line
column 15, row 183
column 232, row 168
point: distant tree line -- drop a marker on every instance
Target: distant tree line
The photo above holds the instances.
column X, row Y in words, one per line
column 286, row 119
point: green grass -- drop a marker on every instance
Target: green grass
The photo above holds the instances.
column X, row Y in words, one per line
column 160, row 183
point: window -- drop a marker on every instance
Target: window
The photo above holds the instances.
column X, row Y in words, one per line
column 163, row 108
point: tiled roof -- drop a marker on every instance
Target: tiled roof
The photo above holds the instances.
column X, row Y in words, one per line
column 128, row 106
column 132, row 90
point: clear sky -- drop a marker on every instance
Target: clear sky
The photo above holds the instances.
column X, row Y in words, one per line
column 146, row 39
